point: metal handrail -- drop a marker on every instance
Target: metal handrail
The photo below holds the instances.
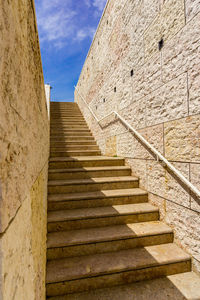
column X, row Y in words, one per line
column 159, row 156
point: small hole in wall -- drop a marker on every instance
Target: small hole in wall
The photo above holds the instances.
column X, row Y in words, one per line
column 107, row 22
column 132, row 72
column 160, row 44
column 104, row 100
column 115, row 89
column 96, row 107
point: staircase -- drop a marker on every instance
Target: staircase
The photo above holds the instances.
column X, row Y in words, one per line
column 105, row 241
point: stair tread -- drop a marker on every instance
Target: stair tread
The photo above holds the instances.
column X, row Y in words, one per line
column 109, row 263
column 108, row 233
column 97, row 194
column 85, row 169
column 183, row 286
column 85, row 158
column 76, row 151
column 99, row 212
column 92, row 180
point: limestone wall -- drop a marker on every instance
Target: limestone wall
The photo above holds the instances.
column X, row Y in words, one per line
column 24, row 151
column 161, row 100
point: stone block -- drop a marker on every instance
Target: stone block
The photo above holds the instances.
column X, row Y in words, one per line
column 135, row 113
column 195, row 180
column 167, row 23
column 186, row 226
column 23, row 246
column 139, row 169
column 194, row 90
column 182, row 139
column 163, row 183
column 192, row 8
column 168, row 102
column 160, row 203
column 111, row 146
column 182, row 52
column 152, row 74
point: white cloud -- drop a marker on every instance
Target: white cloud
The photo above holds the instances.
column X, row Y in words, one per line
column 58, row 21
column 87, row 3
column 83, row 33
column 99, row 4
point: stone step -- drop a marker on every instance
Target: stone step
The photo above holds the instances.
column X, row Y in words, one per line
column 70, row 275
column 68, row 118
column 65, row 114
column 96, row 199
column 89, row 172
column 182, row 286
column 73, row 143
column 77, row 146
column 84, row 161
column 68, row 124
column 70, row 153
column 101, row 216
column 71, row 138
column 72, row 131
column 92, row 184
column 107, row 239
column 75, row 126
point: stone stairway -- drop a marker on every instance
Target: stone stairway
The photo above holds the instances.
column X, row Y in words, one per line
column 105, row 241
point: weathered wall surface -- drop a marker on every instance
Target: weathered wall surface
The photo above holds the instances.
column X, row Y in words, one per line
column 24, row 151
column 161, row 100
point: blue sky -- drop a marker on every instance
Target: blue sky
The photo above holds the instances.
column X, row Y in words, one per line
column 66, row 29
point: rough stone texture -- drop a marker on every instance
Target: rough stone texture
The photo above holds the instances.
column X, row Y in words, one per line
column 111, row 146
column 182, row 139
column 182, row 51
column 23, row 247
column 195, row 179
column 24, row 122
column 192, row 8
column 167, row 103
column 186, row 224
column 168, row 22
column 161, row 100
column 24, row 151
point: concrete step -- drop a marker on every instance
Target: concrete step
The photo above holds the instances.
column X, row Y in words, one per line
column 96, row 199
column 107, row 239
column 182, row 286
column 84, row 161
column 101, row 216
column 79, row 274
column 76, row 146
column 92, row 184
column 69, row 153
column 89, row 172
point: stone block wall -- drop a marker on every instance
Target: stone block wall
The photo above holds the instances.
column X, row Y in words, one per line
column 144, row 62
column 24, row 152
